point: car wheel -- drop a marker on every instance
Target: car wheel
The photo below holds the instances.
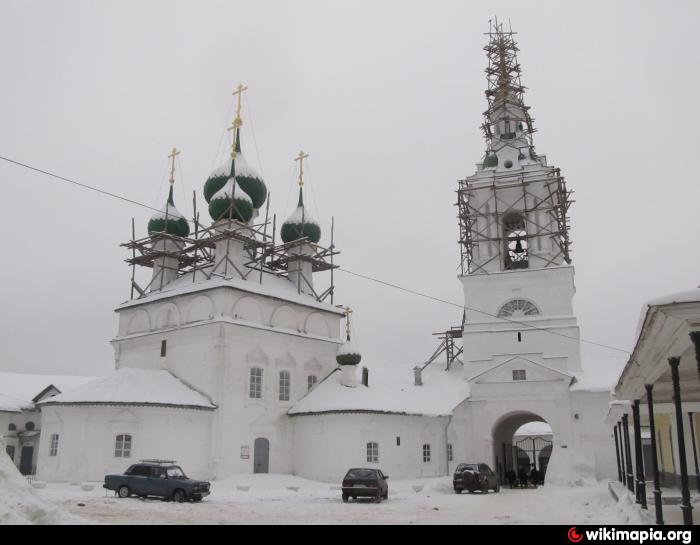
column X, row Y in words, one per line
column 378, row 498
column 458, row 490
column 179, row 496
column 471, row 490
column 485, row 488
column 345, row 498
column 124, row 491
column 386, row 495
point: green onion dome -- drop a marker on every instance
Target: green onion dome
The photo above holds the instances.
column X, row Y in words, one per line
column 491, row 160
column 169, row 220
column 248, row 179
column 348, row 354
column 300, row 224
column 221, row 207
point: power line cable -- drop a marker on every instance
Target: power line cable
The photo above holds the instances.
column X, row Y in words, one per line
column 377, row 280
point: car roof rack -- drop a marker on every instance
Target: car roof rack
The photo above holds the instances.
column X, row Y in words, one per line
column 152, row 461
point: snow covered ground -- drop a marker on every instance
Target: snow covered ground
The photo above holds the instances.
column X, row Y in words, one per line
column 283, row 499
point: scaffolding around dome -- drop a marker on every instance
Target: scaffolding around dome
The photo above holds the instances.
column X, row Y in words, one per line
column 263, row 255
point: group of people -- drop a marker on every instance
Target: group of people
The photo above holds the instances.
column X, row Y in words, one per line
column 524, row 476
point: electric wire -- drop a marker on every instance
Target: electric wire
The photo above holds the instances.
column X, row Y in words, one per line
column 359, row 275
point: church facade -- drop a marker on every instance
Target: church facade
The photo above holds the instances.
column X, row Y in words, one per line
column 233, row 359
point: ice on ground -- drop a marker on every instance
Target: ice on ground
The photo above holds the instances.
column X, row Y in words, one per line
column 19, row 504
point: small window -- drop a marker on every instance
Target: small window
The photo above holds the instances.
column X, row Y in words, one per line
column 284, row 385
column 122, row 446
column 519, row 374
column 163, row 348
column 256, row 376
column 311, row 381
column 426, row 453
column 12, row 427
column 53, row 448
column 450, row 456
column 372, row 453
column 398, row 441
column 29, row 426
column 140, row 471
column 520, row 337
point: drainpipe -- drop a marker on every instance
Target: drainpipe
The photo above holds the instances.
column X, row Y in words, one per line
column 447, row 454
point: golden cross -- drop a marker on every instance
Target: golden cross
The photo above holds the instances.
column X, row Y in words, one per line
column 348, row 312
column 301, row 158
column 172, row 156
column 233, row 128
column 238, row 93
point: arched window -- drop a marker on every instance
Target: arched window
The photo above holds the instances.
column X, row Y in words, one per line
column 12, row 427
column 518, row 308
column 516, row 246
column 372, row 453
column 256, row 377
column 29, row 426
column 53, row 448
column 426, row 453
column 122, row 446
column 285, row 380
column 311, row 381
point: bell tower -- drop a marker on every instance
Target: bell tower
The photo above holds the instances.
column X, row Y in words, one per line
column 514, row 234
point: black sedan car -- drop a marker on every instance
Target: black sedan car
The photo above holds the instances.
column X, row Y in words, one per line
column 475, row 477
column 368, row 483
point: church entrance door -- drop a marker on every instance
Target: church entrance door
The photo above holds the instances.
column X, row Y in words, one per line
column 25, row 461
column 261, row 456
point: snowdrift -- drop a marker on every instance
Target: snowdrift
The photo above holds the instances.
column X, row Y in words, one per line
column 19, row 504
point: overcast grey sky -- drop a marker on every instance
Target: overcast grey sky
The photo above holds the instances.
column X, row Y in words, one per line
column 387, row 98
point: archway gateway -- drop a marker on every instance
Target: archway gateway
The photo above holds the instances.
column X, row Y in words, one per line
column 531, row 450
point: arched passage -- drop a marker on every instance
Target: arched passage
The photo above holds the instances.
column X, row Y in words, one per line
column 523, row 451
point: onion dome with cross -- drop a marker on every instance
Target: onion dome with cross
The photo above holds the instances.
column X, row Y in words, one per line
column 348, row 354
column 300, row 224
column 236, row 167
column 169, row 220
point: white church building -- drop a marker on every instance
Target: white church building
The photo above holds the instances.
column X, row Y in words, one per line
column 234, row 359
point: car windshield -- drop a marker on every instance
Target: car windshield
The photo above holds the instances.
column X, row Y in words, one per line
column 175, row 472
column 361, row 474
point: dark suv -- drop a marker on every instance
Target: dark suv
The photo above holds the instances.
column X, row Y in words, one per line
column 368, row 483
column 157, row 478
column 474, row 477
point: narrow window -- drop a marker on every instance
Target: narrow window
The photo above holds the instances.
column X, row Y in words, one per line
column 122, row 446
column 256, row 376
column 12, row 427
column 426, row 453
column 372, row 453
column 163, row 348
column 398, row 441
column 519, row 374
column 53, row 449
column 450, row 457
column 311, row 381
column 284, row 385
column 520, row 338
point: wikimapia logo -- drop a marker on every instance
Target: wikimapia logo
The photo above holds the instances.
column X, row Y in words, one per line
column 638, row 536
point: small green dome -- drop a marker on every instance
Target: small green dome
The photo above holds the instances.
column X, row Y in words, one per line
column 348, row 354
column 491, row 160
column 169, row 220
column 300, row 224
column 248, row 179
column 221, row 207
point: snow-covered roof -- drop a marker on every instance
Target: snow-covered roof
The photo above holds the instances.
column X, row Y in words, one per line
column 129, row 386
column 391, row 390
column 271, row 286
column 231, row 188
column 348, row 348
column 18, row 390
column 301, row 215
column 242, row 168
column 169, row 211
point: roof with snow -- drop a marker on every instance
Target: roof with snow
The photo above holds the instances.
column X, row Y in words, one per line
column 391, row 390
column 271, row 286
column 129, row 386
column 19, row 390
